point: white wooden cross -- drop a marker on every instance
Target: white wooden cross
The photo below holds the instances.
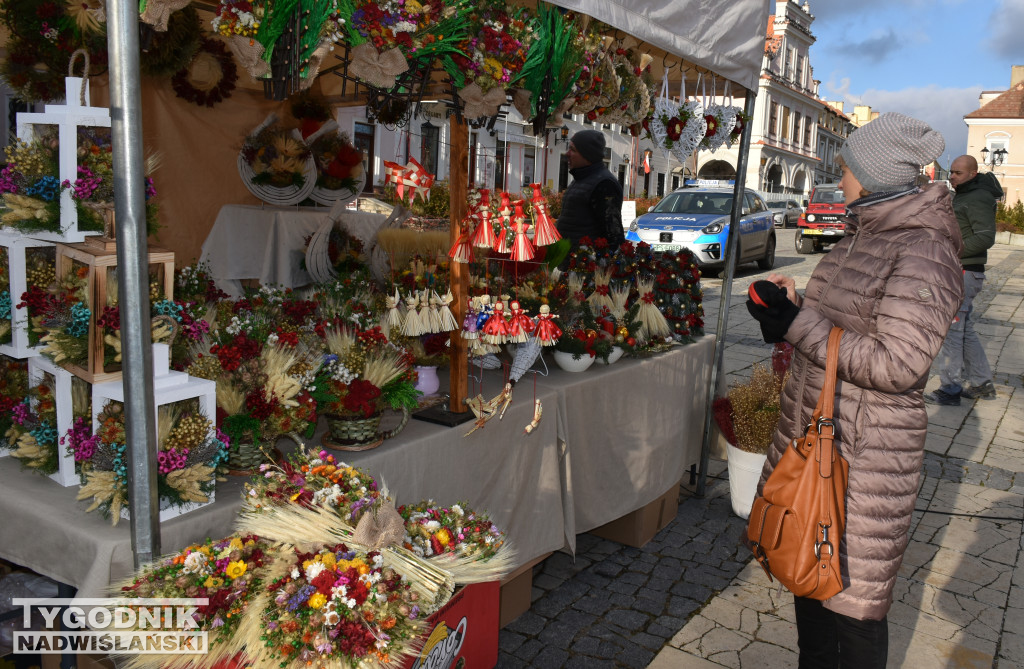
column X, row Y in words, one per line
column 67, row 117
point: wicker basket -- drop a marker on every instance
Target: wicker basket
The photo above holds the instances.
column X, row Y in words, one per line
column 358, row 433
column 245, row 459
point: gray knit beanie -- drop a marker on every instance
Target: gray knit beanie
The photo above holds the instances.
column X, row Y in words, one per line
column 887, row 153
column 590, row 145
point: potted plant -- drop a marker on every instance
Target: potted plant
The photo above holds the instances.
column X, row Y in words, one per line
column 747, row 417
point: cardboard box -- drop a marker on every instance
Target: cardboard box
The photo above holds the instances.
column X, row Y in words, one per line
column 517, row 592
column 464, row 633
column 638, row 527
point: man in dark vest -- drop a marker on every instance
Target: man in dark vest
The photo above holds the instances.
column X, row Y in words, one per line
column 592, row 204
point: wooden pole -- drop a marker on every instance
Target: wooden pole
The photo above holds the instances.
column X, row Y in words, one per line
column 458, row 173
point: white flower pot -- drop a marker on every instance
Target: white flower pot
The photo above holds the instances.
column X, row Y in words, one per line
column 744, row 472
column 566, row 362
column 616, row 353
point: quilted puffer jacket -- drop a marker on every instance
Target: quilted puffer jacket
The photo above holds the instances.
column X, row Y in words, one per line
column 894, row 285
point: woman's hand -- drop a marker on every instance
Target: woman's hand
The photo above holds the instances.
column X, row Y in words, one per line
column 787, row 282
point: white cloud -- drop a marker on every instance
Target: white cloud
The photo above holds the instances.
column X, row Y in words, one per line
column 943, row 108
column 1004, row 38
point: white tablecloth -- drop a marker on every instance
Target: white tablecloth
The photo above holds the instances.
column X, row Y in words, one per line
column 265, row 243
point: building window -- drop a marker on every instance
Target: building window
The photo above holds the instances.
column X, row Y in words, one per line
column 773, row 120
column 586, row 120
column 622, row 175
column 785, row 123
column 661, row 184
column 529, row 165
column 796, row 127
column 790, row 58
column 431, row 137
column 500, row 160
column 800, row 71
column 807, row 135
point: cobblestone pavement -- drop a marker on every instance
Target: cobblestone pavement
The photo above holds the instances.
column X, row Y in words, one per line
column 692, row 599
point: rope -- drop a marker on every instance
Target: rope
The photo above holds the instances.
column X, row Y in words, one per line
column 85, row 74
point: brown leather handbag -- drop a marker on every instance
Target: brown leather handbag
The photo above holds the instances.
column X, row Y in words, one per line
column 796, row 525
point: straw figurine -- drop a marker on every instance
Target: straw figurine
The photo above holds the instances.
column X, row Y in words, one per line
column 575, row 283
column 434, row 311
column 393, row 320
column 462, row 251
column 620, row 296
column 652, row 321
column 544, row 230
column 412, row 327
column 520, row 325
column 547, row 331
column 601, row 299
column 483, row 236
column 448, row 322
column 496, row 328
column 469, row 328
column 522, row 248
column 503, row 245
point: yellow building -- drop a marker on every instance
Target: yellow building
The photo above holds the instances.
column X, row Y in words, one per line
column 995, row 135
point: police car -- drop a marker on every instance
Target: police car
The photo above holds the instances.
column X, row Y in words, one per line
column 696, row 217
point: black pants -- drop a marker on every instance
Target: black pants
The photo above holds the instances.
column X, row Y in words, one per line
column 829, row 640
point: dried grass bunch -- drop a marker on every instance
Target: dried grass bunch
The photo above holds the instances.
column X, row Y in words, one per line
column 749, row 414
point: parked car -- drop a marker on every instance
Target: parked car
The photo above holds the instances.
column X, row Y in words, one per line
column 697, row 218
column 824, row 221
column 785, row 212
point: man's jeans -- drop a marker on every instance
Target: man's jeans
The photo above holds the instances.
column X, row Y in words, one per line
column 962, row 358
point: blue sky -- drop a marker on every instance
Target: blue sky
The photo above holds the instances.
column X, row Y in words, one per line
column 925, row 58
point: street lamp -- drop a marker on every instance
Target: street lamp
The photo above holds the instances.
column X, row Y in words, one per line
column 998, row 155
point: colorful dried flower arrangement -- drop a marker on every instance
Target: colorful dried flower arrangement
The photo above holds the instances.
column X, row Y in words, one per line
column 363, row 372
column 238, row 17
column 30, row 184
column 421, row 31
column 189, row 447
column 32, row 435
column 339, row 164
column 263, row 355
column 314, row 479
column 228, row 573
column 13, row 390
column 500, row 37
column 6, row 306
column 340, row 605
column 432, row 529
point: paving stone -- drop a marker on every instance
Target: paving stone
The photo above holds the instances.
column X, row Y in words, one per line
column 634, row 656
column 529, row 624
column 589, row 663
column 509, row 641
column 623, row 588
column 682, row 607
column 529, row 649
column 506, row 661
column 566, row 627
column 550, row 658
column 652, row 605
column 594, row 604
column 627, row 619
column 605, row 568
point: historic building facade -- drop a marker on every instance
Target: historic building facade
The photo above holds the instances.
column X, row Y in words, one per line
column 997, row 126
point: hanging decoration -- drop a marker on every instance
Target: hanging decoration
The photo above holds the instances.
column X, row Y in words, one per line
column 522, row 248
column 160, row 13
column 553, row 65
column 412, row 179
column 174, row 48
column 677, row 126
column 276, row 165
column 210, row 78
column 720, row 118
column 544, row 230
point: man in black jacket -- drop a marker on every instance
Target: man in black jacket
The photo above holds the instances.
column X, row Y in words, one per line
column 592, row 204
column 962, row 359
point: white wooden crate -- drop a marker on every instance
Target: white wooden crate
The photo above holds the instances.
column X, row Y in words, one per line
column 17, row 244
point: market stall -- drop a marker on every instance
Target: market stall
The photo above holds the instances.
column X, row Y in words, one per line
column 548, row 456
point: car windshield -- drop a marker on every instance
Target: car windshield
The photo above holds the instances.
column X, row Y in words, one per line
column 778, row 204
column 828, row 196
column 694, row 203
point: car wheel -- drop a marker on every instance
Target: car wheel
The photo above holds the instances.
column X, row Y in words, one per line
column 818, row 247
column 768, row 261
column 785, row 222
column 804, row 246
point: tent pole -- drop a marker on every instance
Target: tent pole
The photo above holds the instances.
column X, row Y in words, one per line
column 133, row 277
column 458, row 177
column 731, row 247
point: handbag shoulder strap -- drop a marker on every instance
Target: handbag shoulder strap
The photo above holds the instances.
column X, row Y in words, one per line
column 827, row 400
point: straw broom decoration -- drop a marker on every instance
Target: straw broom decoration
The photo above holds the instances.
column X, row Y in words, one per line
column 652, row 321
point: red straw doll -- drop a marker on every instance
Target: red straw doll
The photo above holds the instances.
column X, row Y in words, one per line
column 522, row 249
column 547, row 330
column 483, row 236
column 504, row 244
column 544, row 231
column 495, row 330
column 462, row 251
column 520, row 326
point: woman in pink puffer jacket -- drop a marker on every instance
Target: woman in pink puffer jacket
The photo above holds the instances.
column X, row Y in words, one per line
column 894, row 285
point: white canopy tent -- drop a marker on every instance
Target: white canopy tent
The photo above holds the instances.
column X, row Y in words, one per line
column 726, row 39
